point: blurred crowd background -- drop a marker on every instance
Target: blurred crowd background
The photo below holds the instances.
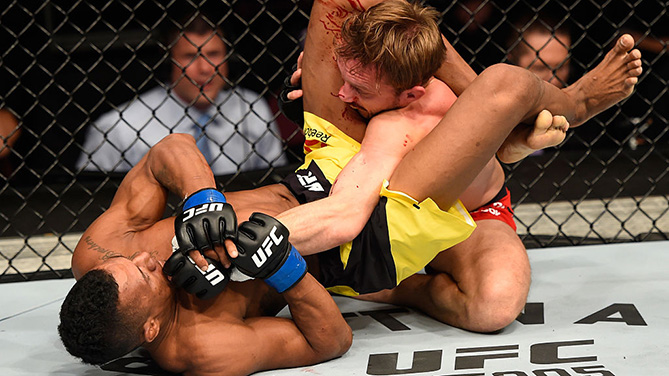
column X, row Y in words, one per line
column 65, row 65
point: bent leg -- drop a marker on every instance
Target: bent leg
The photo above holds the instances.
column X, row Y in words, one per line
column 446, row 161
column 480, row 284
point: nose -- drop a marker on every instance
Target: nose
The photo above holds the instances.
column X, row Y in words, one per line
column 345, row 93
column 204, row 66
column 146, row 260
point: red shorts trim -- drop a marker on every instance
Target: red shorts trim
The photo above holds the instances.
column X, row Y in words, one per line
column 499, row 209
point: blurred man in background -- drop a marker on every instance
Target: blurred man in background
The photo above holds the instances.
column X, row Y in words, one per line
column 234, row 127
column 542, row 45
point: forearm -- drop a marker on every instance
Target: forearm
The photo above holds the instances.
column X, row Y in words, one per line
column 455, row 71
column 324, row 224
column 177, row 164
column 318, row 318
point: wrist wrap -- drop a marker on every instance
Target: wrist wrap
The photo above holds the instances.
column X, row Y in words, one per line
column 291, row 272
column 203, row 196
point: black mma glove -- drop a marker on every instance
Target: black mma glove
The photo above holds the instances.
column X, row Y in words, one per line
column 207, row 220
column 264, row 252
column 292, row 109
column 185, row 274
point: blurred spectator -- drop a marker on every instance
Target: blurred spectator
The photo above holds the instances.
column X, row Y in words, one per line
column 472, row 26
column 9, row 133
column 233, row 126
column 541, row 45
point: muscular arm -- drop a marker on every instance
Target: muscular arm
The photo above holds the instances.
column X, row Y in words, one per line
column 455, row 71
column 133, row 221
column 338, row 218
column 316, row 333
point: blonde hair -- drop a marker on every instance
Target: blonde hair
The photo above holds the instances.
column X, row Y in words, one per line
column 400, row 39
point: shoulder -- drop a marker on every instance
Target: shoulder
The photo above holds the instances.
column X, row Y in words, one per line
column 218, row 342
column 252, row 99
column 438, row 98
column 149, row 98
column 141, row 106
column 240, row 93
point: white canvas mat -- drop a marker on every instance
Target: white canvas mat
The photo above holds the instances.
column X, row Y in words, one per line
column 592, row 310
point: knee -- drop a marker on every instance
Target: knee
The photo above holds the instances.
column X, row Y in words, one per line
column 496, row 306
column 512, row 85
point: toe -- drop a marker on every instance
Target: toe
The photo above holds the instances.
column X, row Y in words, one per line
column 635, row 72
column 631, row 81
column 625, row 43
column 635, row 54
column 544, row 120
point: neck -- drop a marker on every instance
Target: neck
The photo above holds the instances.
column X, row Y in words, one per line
column 168, row 320
column 200, row 107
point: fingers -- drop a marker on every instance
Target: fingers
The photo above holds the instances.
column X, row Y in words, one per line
column 199, row 259
column 295, row 94
column 296, row 77
column 299, row 60
column 231, row 248
column 219, row 253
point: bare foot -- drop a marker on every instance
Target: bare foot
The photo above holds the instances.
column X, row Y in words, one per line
column 548, row 131
column 609, row 82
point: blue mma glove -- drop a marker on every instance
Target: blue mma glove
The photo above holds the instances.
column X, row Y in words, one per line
column 264, row 252
column 206, row 220
column 203, row 284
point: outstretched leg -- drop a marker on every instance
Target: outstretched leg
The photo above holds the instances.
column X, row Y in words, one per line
column 447, row 160
column 611, row 81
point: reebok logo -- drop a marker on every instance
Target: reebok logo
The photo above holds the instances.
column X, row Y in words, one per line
column 492, row 211
column 310, row 182
column 315, row 133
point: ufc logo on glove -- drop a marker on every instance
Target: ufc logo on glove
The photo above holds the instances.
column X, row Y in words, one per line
column 212, row 274
column 197, row 210
column 265, row 251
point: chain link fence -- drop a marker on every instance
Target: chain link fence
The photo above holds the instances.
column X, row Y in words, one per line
column 70, row 67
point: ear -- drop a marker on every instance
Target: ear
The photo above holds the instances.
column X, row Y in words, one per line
column 151, row 330
column 411, row 95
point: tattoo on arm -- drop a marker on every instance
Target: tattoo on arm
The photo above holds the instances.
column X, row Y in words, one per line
column 105, row 253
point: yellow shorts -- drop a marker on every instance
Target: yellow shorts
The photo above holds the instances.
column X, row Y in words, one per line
column 400, row 238
column 402, row 235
